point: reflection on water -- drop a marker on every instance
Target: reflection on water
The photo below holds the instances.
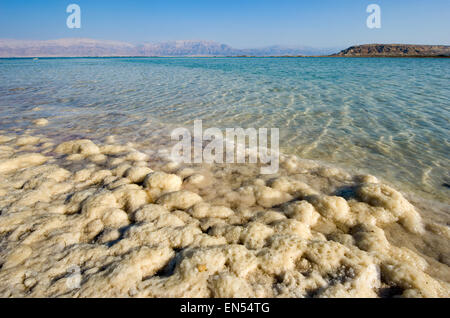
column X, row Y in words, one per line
column 388, row 117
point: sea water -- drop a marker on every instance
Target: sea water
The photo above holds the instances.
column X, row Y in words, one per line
column 384, row 116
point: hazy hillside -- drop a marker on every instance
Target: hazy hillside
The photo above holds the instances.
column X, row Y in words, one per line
column 90, row 47
column 396, row 50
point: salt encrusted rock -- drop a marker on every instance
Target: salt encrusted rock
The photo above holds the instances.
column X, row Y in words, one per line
column 387, row 197
column 137, row 174
column 253, row 236
column 182, row 200
column 82, row 146
column 268, row 197
column 332, row 207
column 5, row 139
column 136, row 156
column 163, row 181
column 228, row 286
column 22, row 161
column 242, row 235
column 27, row 140
column 293, row 187
column 366, row 179
column 108, row 235
column 18, row 256
column 130, row 197
column 302, row 211
column 204, row 210
column 40, row 122
column 115, row 218
column 268, row 217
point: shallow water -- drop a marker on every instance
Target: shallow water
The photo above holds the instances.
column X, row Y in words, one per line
column 388, row 117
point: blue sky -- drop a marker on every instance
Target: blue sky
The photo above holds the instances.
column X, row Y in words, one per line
column 240, row 23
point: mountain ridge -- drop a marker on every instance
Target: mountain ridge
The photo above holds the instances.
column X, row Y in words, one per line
column 84, row 47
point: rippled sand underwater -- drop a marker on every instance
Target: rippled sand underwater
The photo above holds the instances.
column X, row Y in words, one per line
column 92, row 206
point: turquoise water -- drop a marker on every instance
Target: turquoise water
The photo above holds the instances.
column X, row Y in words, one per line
column 388, row 117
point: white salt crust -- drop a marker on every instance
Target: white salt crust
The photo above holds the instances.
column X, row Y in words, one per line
column 132, row 227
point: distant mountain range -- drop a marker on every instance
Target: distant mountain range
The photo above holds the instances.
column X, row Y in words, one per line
column 395, row 50
column 89, row 47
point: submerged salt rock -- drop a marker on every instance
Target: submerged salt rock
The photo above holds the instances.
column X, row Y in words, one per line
column 137, row 174
column 366, row 178
column 110, row 139
column 22, row 161
column 98, row 158
column 5, row 139
column 198, row 180
column 163, row 181
column 244, row 197
column 81, row 146
column 268, row 197
column 27, row 140
column 332, row 207
column 293, row 187
column 182, row 200
column 136, row 156
column 40, row 122
column 387, row 197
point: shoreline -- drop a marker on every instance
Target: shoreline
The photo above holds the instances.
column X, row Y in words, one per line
column 195, row 56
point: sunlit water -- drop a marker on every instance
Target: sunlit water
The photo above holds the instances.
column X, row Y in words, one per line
column 388, row 117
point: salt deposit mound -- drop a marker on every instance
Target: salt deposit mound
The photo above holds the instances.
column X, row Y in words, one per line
column 81, row 219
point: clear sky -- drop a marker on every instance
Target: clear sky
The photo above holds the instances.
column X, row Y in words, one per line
column 240, row 23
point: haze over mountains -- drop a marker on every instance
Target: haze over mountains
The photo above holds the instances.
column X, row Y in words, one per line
column 89, row 47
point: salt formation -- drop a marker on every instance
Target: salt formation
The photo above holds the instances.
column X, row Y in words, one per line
column 41, row 122
column 135, row 227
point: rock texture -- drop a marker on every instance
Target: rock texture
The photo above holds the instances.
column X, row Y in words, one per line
column 81, row 219
column 396, row 50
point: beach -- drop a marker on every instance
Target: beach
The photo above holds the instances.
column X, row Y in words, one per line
column 92, row 204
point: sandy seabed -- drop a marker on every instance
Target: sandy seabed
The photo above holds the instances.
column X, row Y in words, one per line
column 120, row 223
